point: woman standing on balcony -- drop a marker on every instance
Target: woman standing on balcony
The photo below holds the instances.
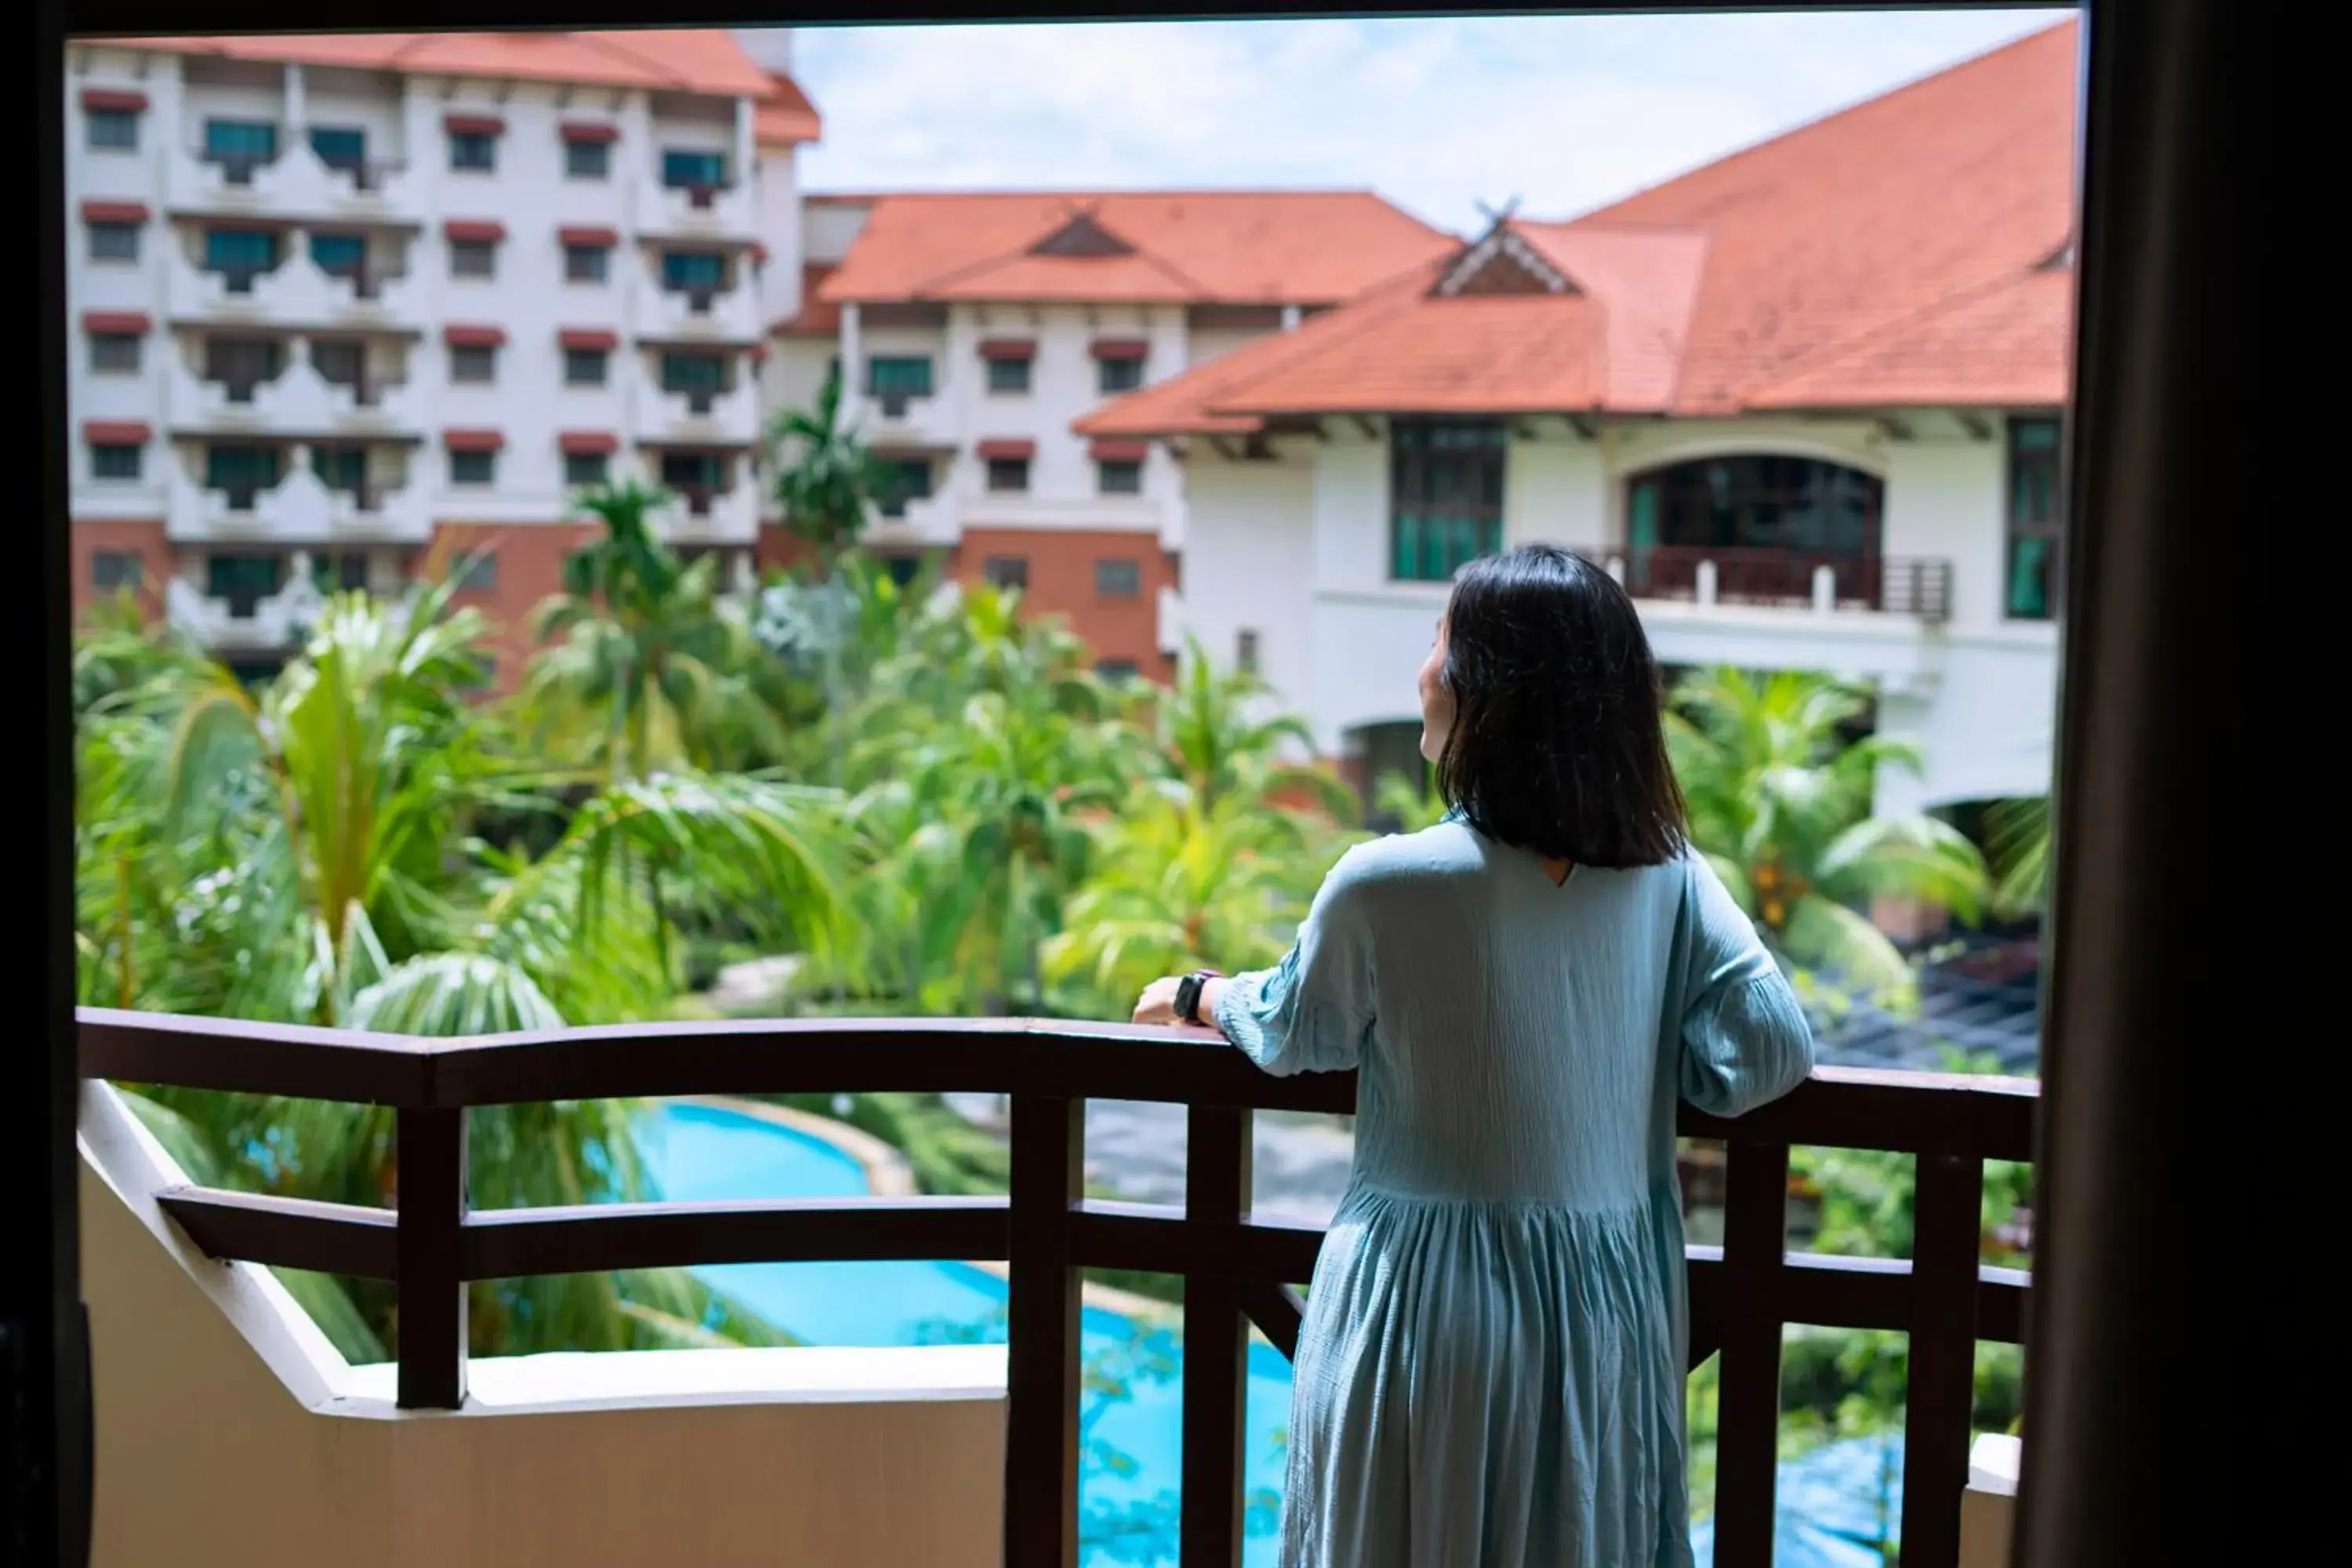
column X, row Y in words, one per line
column 1490, row 1375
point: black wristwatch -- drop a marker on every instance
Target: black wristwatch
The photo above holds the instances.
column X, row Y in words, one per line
column 1188, row 993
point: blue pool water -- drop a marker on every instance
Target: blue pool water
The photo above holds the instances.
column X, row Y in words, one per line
column 696, row 1152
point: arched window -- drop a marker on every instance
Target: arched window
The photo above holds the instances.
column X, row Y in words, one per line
column 1764, row 521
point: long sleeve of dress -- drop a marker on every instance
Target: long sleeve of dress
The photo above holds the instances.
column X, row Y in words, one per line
column 1744, row 1040
column 1311, row 1012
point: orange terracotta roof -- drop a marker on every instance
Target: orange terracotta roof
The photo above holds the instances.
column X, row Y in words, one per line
column 818, row 317
column 675, row 59
column 1268, row 248
column 785, row 117
column 1890, row 254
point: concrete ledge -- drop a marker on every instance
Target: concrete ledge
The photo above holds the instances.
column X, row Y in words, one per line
column 1988, row 1508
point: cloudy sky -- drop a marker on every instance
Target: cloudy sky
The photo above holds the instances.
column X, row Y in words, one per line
column 1439, row 115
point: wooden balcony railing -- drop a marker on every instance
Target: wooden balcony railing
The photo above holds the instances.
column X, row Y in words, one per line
column 1237, row 1269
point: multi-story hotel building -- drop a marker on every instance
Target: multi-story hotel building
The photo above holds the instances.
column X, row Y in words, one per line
column 974, row 329
column 339, row 301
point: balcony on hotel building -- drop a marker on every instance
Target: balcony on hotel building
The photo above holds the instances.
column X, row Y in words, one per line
column 716, row 1454
column 713, row 497
column 252, row 276
column 696, row 194
column 325, row 174
column 687, row 295
column 263, row 601
column 296, row 491
column 259, row 385
column 722, row 412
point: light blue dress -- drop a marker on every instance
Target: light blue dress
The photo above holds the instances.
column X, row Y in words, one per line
column 1491, row 1370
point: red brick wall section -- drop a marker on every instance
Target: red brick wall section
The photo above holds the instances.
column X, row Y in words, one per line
column 530, row 558
column 142, row 538
column 1061, row 582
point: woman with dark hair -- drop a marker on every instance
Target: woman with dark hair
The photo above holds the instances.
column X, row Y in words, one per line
column 1490, row 1375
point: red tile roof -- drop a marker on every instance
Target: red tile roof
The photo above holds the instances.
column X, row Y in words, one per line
column 1266, row 247
column 786, row 116
column 675, row 60
column 1889, row 255
column 818, row 317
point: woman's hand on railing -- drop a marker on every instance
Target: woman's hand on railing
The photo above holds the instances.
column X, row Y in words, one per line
column 1158, row 1003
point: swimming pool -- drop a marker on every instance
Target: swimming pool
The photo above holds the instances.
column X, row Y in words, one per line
column 1127, row 1495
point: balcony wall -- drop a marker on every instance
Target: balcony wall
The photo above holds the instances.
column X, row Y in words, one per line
column 230, row 1433
column 667, row 315
column 731, row 211
column 668, row 417
column 730, row 516
column 299, row 509
column 296, row 185
column 295, row 294
column 299, row 400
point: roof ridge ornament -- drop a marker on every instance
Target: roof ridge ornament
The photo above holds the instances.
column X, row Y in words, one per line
column 1501, row 262
column 1081, row 234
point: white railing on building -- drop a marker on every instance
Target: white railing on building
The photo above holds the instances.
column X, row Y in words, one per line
column 721, row 315
column 728, row 419
column 294, row 293
column 299, row 507
column 713, row 515
column 713, row 212
column 297, row 399
column 275, row 623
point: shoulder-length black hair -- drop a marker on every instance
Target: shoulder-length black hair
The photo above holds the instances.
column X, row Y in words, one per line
column 1556, row 745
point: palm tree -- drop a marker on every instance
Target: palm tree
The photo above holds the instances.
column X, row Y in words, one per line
column 827, row 478
column 2018, row 835
column 650, row 670
column 305, row 855
column 1780, row 802
column 1219, row 734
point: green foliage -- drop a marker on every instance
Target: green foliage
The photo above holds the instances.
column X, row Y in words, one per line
column 826, row 478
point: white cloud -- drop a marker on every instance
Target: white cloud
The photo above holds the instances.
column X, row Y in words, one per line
column 1440, row 115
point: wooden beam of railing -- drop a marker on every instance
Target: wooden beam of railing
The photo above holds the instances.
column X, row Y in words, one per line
column 1216, row 1337
column 1748, row 1417
column 1041, row 1430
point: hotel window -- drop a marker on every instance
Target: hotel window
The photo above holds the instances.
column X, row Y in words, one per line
column 2037, row 509
column 1122, row 374
column 893, row 381
column 339, row 254
column 908, row 478
column 473, row 467
column 584, row 367
column 242, row 365
column 116, row 460
column 1446, row 495
column 1006, row 570
column 341, row 147
column 474, row 150
column 479, row 572
column 242, row 472
column 116, row 569
column 582, row 470
column 1116, row 669
column 1008, row 374
column 240, row 254
column 686, row 169
column 473, row 258
column 114, row 354
column 587, row 159
column 1245, row 651
column 701, row 377
column 1118, row 577
column 472, row 365
column 112, row 129
column 343, row 362
column 240, row 147
column 586, row 263
column 690, row 271
column 1008, row 475
column 242, row 580
column 340, row 468
column 114, row 242
column 1118, row 477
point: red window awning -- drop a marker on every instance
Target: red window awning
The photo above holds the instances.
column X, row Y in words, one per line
column 588, row 443
column 488, row 228
column 587, row 338
column 114, row 211
column 590, row 130
column 1108, row 451
column 474, row 440
column 1121, row 348
column 1007, row 448
column 113, row 99
column 476, row 335
column 117, row 321
column 1008, row 348
column 116, row 432
column 583, row 236
column 473, row 124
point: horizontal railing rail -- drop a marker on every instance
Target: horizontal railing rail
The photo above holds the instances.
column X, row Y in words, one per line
column 1238, row 1268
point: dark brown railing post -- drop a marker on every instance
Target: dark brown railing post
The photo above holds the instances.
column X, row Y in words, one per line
column 427, row 1246
column 1041, row 1428
column 1216, row 1336
column 1945, row 1209
column 1748, row 1420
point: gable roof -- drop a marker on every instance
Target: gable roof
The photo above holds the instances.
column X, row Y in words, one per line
column 1892, row 254
column 673, row 59
column 1263, row 248
column 786, row 116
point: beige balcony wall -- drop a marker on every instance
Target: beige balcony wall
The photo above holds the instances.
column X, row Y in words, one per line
column 230, row 1433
